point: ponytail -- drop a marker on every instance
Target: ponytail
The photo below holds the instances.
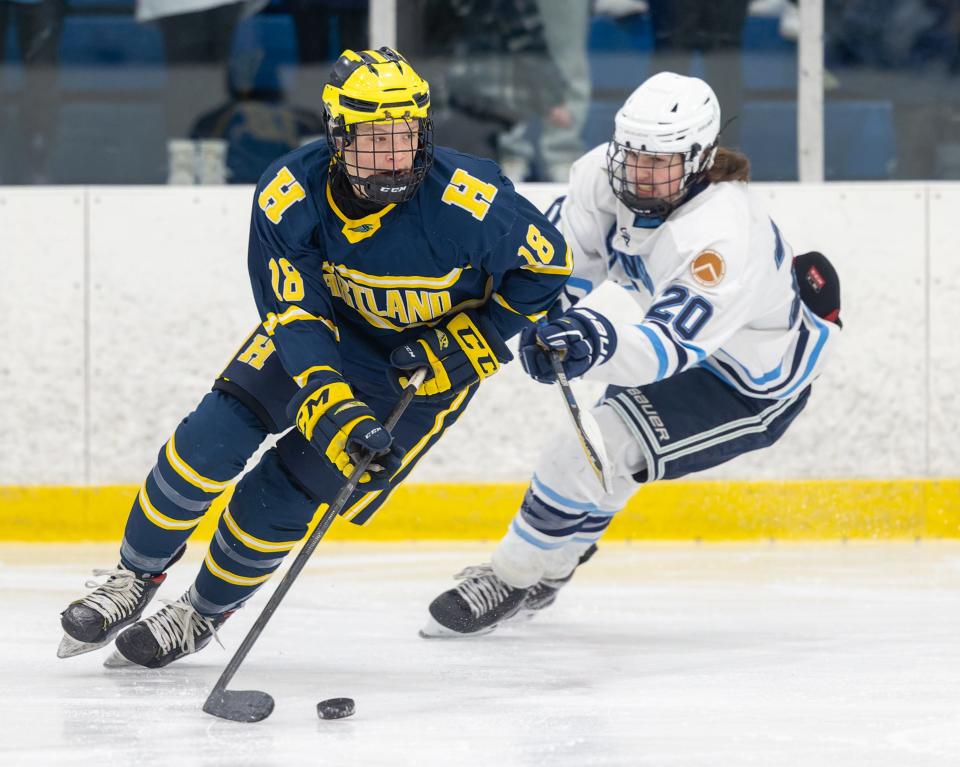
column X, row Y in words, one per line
column 729, row 165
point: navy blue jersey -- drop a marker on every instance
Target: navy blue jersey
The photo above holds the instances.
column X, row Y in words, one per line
column 337, row 295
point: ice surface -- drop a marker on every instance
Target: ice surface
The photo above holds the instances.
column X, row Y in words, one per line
column 761, row 654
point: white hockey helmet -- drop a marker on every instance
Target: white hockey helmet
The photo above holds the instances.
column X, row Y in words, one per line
column 667, row 114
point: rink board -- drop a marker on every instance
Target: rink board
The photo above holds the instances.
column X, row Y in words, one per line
column 785, row 510
column 152, row 297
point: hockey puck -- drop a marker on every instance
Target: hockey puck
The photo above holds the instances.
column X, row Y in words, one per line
column 335, row 708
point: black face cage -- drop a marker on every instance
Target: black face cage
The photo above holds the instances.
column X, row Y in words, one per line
column 384, row 186
column 653, row 207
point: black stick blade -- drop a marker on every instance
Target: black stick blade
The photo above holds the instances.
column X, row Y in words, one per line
column 239, row 705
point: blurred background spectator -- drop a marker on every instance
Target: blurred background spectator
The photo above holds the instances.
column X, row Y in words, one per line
column 256, row 125
column 494, row 76
column 197, row 31
column 33, row 27
column 903, row 55
column 545, row 147
column 327, row 27
column 714, row 31
column 197, row 40
column 96, row 91
column 790, row 20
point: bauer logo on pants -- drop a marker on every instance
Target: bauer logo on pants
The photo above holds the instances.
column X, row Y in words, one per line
column 708, row 268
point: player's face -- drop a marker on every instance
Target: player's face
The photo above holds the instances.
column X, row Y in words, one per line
column 654, row 175
column 382, row 147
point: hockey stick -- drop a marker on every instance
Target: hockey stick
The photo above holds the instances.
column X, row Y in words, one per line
column 588, row 430
column 254, row 705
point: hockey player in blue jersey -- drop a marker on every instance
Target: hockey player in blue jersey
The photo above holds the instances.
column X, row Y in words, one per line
column 371, row 254
column 708, row 336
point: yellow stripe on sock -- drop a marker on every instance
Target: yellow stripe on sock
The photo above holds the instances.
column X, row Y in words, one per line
column 194, row 478
column 158, row 518
column 232, row 578
column 250, row 541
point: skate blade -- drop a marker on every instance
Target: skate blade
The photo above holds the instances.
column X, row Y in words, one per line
column 521, row 616
column 119, row 660
column 70, row 647
column 434, row 630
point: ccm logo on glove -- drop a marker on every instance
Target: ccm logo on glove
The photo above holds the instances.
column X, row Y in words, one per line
column 342, row 428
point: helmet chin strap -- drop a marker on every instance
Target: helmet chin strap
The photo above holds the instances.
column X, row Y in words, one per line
column 649, row 209
column 384, row 188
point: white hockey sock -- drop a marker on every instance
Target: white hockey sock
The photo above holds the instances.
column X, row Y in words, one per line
column 558, row 564
column 517, row 562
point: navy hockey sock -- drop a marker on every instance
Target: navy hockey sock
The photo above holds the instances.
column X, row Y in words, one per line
column 267, row 517
column 207, row 450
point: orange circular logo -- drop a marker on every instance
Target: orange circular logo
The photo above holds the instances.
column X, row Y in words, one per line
column 708, row 268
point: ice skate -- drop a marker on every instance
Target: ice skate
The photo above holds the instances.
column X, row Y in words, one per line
column 544, row 593
column 473, row 608
column 93, row 621
column 175, row 630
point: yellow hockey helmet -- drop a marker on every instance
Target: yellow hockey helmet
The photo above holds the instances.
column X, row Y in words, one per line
column 380, row 87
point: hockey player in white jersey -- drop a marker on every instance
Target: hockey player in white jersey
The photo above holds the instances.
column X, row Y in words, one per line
column 708, row 345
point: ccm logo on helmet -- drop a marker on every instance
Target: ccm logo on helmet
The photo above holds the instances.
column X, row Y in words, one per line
column 708, row 268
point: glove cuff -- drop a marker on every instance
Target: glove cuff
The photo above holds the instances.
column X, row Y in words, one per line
column 317, row 381
column 316, row 400
column 477, row 336
column 490, row 334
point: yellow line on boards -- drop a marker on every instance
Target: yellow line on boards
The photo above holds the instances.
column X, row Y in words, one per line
column 711, row 511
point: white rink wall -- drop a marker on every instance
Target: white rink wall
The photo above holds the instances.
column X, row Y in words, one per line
column 123, row 304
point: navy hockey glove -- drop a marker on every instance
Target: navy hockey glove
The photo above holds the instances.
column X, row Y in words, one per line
column 584, row 337
column 342, row 428
column 464, row 350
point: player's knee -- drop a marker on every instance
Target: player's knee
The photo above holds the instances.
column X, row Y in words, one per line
column 311, row 473
column 269, row 497
column 563, row 462
column 265, row 395
column 221, row 430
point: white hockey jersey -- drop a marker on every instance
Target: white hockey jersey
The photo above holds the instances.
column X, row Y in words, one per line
column 712, row 286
